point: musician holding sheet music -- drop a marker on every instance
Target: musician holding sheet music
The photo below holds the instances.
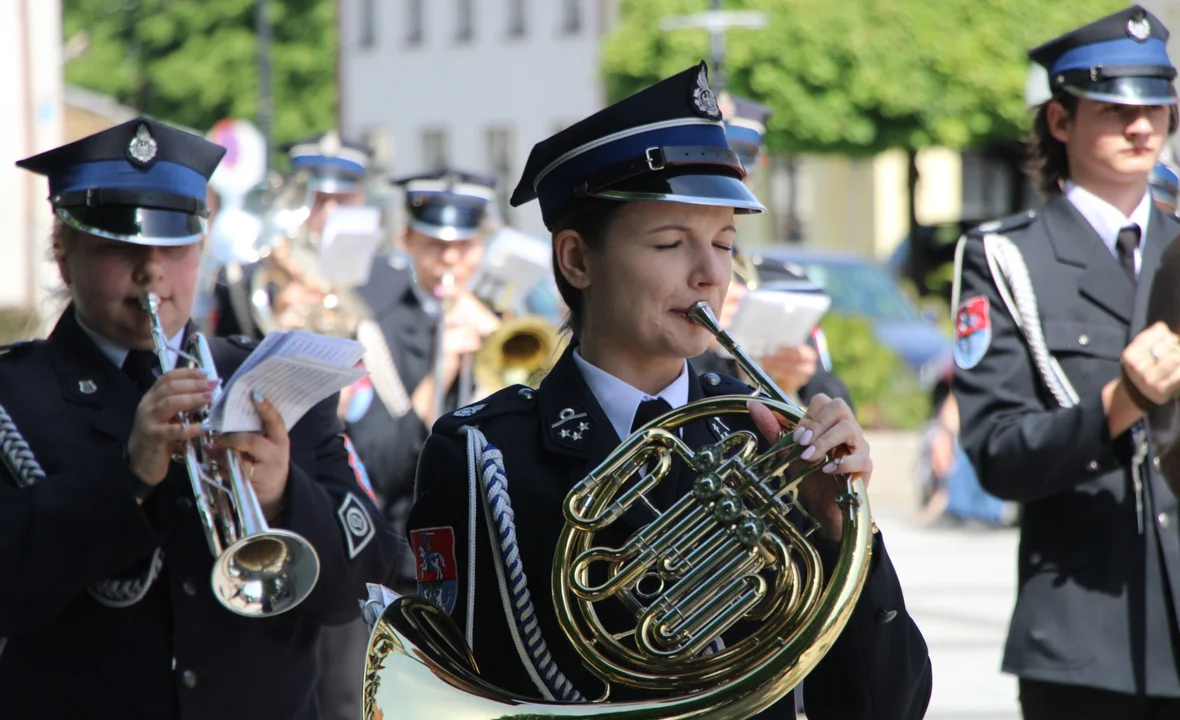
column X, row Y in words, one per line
column 106, row 568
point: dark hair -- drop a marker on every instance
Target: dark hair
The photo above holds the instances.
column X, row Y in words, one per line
column 590, row 217
column 1046, row 161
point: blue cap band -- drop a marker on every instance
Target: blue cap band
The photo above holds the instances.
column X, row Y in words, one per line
column 323, row 161
column 556, row 187
column 1114, row 53
column 161, row 176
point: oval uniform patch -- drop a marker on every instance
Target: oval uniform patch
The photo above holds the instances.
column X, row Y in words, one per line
column 973, row 331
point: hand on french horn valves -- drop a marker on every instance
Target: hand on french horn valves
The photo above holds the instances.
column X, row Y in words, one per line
column 828, row 426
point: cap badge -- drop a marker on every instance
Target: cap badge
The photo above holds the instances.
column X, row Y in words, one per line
column 143, row 146
column 703, row 99
column 1139, row 28
column 331, row 145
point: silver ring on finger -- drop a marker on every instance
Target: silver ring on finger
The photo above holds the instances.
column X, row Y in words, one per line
column 1155, row 354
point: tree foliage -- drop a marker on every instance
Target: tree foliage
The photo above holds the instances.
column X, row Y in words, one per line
column 860, row 76
column 194, row 62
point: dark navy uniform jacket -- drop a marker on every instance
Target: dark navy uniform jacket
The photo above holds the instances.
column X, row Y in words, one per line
column 1096, row 603
column 879, row 667
column 177, row 653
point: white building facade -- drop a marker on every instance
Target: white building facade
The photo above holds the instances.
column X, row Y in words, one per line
column 30, row 122
column 472, row 84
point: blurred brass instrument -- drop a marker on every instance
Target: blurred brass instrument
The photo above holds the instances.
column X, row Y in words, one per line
column 723, row 553
column 258, row 571
column 289, row 261
column 519, row 353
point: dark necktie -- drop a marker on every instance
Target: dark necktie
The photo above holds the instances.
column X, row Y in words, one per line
column 142, row 367
column 1127, row 244
column 649, row 410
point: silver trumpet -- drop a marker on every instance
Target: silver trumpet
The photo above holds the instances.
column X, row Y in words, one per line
column 257, row 571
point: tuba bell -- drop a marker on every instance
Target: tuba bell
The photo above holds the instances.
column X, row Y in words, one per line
column 520, row 352
column 289, row 259
column 723, row 553
column 257, row 571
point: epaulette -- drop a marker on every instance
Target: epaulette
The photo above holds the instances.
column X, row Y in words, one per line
column 17, row 348
column 713, row 384
column 1004, row 226
column 245, row 342
column 508, row 401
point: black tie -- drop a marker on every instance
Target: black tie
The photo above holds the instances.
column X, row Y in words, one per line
column 649, row 410
column 142, row 367
column 1127, row 244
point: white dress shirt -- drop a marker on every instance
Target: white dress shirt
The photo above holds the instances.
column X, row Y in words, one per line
column 1107, row 220
column 115, row 353
column 620, row 400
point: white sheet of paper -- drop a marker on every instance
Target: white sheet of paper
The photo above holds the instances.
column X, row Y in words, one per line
column 769, row 319
column 296, row 368
column 513, row 263
column 292, row 384
column 348, row 244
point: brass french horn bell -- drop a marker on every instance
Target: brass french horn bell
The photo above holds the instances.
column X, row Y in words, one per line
column 722, row 553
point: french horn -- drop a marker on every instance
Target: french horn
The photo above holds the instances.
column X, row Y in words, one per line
column 723, row 553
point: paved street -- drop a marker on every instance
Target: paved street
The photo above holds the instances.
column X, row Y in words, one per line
column 959, row 587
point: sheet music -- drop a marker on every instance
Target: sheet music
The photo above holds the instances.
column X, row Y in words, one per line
column 348, row 243
column 769, row 319
column 292, row 385
column 294, row 370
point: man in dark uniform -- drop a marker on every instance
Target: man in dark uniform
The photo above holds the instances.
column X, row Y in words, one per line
column 1054, row 373
column 799, row 371
column 106, row 604
column 493, row 570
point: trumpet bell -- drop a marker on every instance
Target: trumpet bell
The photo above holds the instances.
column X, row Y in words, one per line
column 265, row 574
column 520, row 352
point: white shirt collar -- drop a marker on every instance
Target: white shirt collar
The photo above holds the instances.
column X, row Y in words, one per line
column 1106, row 219
column 620, row 400
column 116, row 353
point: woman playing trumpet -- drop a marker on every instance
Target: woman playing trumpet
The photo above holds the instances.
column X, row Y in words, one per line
column 106, row 602
column 638, row 240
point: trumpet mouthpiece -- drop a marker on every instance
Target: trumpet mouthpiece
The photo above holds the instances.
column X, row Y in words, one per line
column 150, row 302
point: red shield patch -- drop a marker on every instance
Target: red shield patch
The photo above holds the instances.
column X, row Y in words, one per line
column 438, row 572
column 973, row 331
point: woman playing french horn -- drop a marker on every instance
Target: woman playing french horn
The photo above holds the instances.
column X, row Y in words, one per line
column 106, row 602
column 641, row 201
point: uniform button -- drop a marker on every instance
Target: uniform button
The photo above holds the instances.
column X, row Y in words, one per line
column 1083, row 339
column 189, row 678
column 1093, row 464
column 190, row 588
column 1155, row 461
column 886, row 616
column 525, row 393
column 712, row 379
column 1035, row 558
column 1165, row 520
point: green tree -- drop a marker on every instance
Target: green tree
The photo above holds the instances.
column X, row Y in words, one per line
column 861, row 76
column 194, row 62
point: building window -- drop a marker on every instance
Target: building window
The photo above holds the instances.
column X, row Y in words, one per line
column 368, row 20
column 571, row 17
column 415, row 22
column 466, row 28
column 516, row 24
column 435, row 152
column 501, row 151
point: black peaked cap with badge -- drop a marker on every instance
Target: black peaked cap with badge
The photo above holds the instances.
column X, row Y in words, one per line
column 666, row 143
column 141, row 182
column 745, row 126
column 447, row 204
column 1121, row 58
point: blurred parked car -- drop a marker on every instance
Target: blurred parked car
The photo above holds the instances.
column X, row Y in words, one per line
column 859, row 287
